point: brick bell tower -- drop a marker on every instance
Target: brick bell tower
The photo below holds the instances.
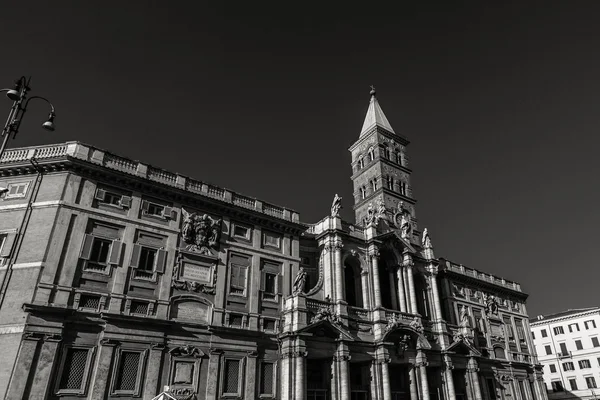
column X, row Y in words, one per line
column 380, row 172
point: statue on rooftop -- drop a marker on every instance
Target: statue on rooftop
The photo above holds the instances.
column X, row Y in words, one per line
column 336, row 206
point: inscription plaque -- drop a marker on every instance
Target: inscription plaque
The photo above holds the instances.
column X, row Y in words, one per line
column 191, row 310
column 195, row 272
column 184, row 372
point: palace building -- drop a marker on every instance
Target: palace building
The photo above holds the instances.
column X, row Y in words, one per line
column 121, row 280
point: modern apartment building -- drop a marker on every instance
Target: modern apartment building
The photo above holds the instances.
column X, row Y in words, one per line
column 568, row 346
column 121, row 280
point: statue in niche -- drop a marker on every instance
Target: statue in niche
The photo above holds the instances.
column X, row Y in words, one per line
column 299, row 281
column 464, row 318
column 426, row 240
column 200, row 232
column 491, row 304
column 336, row 206
column 405, row 221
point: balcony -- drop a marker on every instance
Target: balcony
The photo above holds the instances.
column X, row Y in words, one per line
column 564, row 354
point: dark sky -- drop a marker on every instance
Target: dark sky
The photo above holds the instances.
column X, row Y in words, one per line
column 500, row 102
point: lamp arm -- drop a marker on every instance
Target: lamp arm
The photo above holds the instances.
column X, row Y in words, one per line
column 41, row 98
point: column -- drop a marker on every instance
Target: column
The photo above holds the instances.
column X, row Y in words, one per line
column 393, row 290
column 414, row 391
column 299, row 378
column 343, row 361
column 472, row 370
column 364, row 279
column 339, row 271
column 450, row 380
column 100, row 380
column 422, row 364
column 335, row 377
column 22, row 369
column 213, row 373
column 411, row 289
column 385, row 379
column 375, row 386
column 376, row 285
column 328, row 270
column 285, row 375
column 401, row 289
column 406, row 289
column 436, row 294
column 155, row 358
column 41, row 384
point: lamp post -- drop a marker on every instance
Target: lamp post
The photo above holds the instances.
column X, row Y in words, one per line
column 20, row 102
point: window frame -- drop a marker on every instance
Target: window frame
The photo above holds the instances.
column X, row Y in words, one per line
column 241, row 367
column 568, row 366
column 548, row 349
column 573, row 383
column 582, row 364
column 558, row 330
column 9, row 196
column 585, row 323
column 587, row 382
column 552, row 368
column 137, row 391
column 247, row 237
column 124, row 201
column 570, row 326
column 273, row 382
column 159, row 264
column 230, row 265
column 544, row 333
column 113, row 256
column 82, row 391
column 168, row 213
column 272, row 235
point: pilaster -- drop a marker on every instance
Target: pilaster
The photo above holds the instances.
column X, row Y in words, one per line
column 100, row 380
column 374, row 256
column 45, row 362
column 22, row 369
column 213, row 373
column 421, row 363
column 155, row 361
column 449, row 367
column 342, row 357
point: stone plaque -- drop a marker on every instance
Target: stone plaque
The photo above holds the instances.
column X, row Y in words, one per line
column 195, row 272
column 184, row 372
column 191, row 310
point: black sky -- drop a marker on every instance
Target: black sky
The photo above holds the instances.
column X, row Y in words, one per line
column 500, row 102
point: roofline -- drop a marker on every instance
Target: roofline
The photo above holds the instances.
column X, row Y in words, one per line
column 562, row 315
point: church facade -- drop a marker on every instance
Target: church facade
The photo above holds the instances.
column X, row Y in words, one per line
column 120, row 280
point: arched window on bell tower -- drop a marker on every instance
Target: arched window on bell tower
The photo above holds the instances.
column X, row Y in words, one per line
column 363, row 193
column 388, row 153
column 390, row 182
column 371, row 154
column 361, row 162
column 374, row 185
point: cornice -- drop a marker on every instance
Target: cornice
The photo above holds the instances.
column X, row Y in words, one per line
column 535, row 322
column 471, row 280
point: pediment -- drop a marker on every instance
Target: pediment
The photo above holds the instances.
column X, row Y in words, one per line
column 464, row 347
column 326, row 328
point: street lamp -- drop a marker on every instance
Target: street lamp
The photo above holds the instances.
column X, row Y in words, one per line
column 18, row 95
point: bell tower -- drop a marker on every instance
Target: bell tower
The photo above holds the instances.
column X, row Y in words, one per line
column 380, row 172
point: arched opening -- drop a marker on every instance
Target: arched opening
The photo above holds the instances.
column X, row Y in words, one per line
column 352, row 282
column 423, row 296
column 387, row 280
column 499, row 353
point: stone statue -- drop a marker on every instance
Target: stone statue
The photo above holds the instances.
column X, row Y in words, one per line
column 370, row 214
column 426, row 240
column 381, row 210
column 336, row 206
column 491, row 304
column 300, row 281
column 200, row 232
column 464, row 318
column 405, row 227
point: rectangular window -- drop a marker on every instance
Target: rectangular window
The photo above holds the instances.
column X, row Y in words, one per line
column 99, row 253
column 269, row 325
column 548, row 349
column 112, row 198
column 241, row 232
column 573, row 383
column 271, row 240
column 544, row 333
column 589, row 324
column 16, row 190
column 563, row 348
column 558, row 330
column 158, row 210
column 146, row 261
column 557, row 386
column 552, row 368
column 236, row 320
column 267, row 378
column 599, row 361
column 578, row 345
column 595, row 342
column 232, row 379
column 238, row 266
column 74, row 371
column 532, row 335
column 574, row 327
column 89, row 301
column 583, row 364
column 128, row 373
column 591, row 382
column 568, row 366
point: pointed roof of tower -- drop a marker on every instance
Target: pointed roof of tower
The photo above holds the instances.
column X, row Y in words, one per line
column 375, row 116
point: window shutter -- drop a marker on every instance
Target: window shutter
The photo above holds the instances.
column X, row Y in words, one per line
column 279, row 284
column 135, row 256
column 161, row 260
column 145, row 206
column 126, row 201
column 263, row 279
column 100, row 194
column 243, row 276
column 167, row 212
column 9, row 242
column 234, row 275
column 115, row 252
column 86, row 248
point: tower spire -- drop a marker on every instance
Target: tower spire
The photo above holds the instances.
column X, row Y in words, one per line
column 375, row 116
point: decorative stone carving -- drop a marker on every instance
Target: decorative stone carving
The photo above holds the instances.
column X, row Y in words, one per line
column 370, row 214
column 200, row 233
column 402, row 345
column 464, row 318
column 342, row 357
column 299, row 281
column 336, row 206
column 491, row 304
column 183, row 393
column 402, row 219
column 392, row 323
column 325, row 313
column 426, row 240
column 416, row 325
column 186, row 351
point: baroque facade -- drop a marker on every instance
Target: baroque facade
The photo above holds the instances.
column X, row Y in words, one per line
column 568, row 344
column 121, row 281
